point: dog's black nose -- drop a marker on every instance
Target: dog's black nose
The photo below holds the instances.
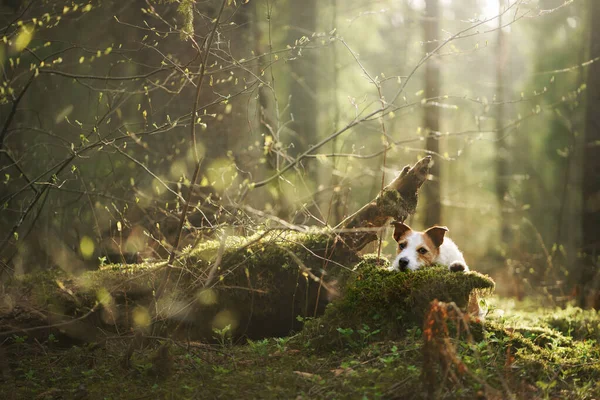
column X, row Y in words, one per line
column 403, row 263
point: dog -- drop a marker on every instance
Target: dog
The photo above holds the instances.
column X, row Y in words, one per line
column 422, row 249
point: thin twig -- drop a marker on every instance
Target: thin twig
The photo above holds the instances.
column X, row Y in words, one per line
column 185, row 209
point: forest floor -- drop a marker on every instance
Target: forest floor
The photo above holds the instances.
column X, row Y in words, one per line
column 520, row 351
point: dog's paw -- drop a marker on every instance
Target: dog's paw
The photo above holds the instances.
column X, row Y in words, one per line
column 458, row 266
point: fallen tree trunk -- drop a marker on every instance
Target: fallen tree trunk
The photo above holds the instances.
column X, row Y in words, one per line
column 253, row 287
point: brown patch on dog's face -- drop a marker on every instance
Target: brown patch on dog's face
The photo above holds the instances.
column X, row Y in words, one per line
column 401, row 232
column 427, row 251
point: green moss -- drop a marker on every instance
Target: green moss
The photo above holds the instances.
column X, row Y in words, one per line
column 569, row 321
column 372, row 333
column 257, row 284
column 376, row 288
column 389, row 302
column 501, row 362
column 391, row 202
column 575, row 322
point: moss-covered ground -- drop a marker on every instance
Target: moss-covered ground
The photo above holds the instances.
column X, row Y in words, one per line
column 382, row 339
column 524, row 354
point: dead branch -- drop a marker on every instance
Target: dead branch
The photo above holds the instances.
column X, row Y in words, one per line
column 396, row 201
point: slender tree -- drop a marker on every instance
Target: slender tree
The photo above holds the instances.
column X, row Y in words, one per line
column 337, row 202
column 431, row 122
column 590, row 277
column 502, row 152
column 303, row 85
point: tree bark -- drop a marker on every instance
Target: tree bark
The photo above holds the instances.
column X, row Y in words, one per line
column 502, row 152
column 303, row 85
column 433, row 205
column 397, row 201
column 590, row 246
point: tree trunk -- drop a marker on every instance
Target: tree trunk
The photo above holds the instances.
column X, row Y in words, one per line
column 337, row 203
column 304, row 73
column 268, row 123
column 431, row 122
column 303, row 80
column 502, row 152
column 590, row 246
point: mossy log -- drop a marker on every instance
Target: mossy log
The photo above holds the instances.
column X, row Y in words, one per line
column 257, row 285
column 386, row 303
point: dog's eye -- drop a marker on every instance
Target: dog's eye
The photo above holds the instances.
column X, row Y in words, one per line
column 422, row 250
column 402, row 246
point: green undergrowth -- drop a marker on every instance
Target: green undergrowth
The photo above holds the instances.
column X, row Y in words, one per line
column 514, row 353
column 569, row 321
column 385, row 333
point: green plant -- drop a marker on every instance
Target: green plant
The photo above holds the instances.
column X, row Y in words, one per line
column 52, row 339
column 389, row 358
column 223, row 336
column 220, row 370
column 143, row 368
column 89, row 373
column 281, row 343
column 546, row 388
column 19, row 339
column 366, row 333
column 347, row 334
column 29, row 374
column 260, row 347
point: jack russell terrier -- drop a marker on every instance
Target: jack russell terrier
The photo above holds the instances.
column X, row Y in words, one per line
column 421, row 249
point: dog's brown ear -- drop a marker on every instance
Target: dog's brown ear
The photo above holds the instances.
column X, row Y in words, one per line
column 436, row 234
column 400, row 229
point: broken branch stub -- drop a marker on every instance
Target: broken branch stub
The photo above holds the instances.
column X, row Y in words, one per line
column 396, row 201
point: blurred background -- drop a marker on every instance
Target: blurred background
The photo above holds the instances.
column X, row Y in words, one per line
column 306, row 109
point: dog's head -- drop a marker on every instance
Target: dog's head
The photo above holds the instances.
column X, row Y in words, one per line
column 417, row 249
